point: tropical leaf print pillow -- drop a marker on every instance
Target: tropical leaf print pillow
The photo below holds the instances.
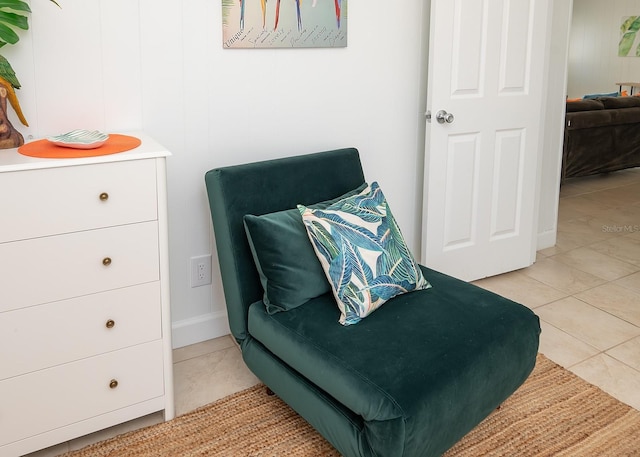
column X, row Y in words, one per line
column 362, row 253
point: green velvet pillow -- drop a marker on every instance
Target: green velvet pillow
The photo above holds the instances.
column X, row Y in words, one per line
column 362, row 253
column 289, row 270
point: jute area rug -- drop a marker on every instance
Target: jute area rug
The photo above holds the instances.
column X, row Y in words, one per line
column 554, row 413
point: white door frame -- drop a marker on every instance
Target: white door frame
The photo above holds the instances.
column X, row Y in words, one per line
column 557, row 78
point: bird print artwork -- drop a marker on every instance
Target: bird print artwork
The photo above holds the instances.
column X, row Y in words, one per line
column 241, row 14
column 337, row 5
column 284, row 23
column 9, row 81
column 275, row 27
column 263, row 3
column 298, row 14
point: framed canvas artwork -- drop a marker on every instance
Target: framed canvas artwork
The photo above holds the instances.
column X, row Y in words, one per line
column 629, row 37
column 284, row 23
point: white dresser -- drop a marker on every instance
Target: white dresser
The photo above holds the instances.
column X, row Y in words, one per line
column 85, row 331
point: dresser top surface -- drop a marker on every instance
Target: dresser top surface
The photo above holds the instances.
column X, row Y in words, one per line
column 12, row 160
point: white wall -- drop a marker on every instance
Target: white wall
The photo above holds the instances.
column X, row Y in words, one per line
column 159, row 65
column 594, row 65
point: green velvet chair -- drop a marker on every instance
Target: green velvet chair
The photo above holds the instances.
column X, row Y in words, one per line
column 410, row 379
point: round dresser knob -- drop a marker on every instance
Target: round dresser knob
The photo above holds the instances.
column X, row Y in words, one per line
column 113, row 384
column 104, row 196
column 110, row 323
column 106, row 261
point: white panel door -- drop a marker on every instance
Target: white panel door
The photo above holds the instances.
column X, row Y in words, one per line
column 486, row 67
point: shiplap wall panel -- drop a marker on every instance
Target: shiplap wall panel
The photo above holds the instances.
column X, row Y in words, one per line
column 594, row 64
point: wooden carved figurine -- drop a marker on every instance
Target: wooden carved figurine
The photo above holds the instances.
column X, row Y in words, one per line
column 9, row 136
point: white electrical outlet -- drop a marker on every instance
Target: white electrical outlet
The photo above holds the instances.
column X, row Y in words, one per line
column 200, row 270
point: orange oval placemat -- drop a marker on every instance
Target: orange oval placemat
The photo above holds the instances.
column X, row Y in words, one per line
column 47, row 150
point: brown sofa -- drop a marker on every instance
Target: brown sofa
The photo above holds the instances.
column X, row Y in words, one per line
column 601, row 135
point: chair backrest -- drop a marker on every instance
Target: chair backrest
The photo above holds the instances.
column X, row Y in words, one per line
column 265, row 187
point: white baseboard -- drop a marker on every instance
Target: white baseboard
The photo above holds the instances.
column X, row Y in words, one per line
column 546, row 240
column 200, row 328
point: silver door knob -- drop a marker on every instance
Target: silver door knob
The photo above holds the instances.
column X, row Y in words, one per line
column 442, row 116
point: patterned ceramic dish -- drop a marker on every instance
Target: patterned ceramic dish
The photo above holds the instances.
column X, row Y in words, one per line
column 80, row 139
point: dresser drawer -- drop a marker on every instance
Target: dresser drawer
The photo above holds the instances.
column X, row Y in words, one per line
column 55, row 397
column 55, row 268
column 61, row 200
column 68, row 330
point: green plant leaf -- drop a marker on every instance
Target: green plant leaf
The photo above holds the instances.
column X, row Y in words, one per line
column 635, row 25
column 7, row 35
column 16, row 5
column 10, row 20
column 625, row 43
column 15, row 20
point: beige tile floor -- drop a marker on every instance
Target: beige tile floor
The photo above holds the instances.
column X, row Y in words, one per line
column 586, row 291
